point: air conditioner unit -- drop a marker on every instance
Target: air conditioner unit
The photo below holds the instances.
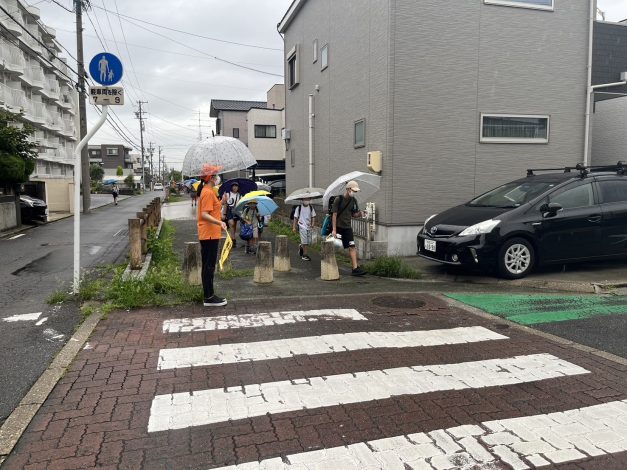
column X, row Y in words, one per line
column 373, row 161
column 286, row 134
column 623, row 76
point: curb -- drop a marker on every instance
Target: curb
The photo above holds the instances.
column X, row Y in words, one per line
column 548, row 336
column 18, row 420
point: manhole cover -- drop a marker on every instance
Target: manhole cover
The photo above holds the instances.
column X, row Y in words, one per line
column 396, row 301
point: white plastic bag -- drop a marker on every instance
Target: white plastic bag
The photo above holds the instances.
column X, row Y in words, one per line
column 337, row 242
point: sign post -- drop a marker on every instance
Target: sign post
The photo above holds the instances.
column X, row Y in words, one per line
column 106, row 69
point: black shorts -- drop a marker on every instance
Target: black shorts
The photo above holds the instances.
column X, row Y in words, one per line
column 347, row 236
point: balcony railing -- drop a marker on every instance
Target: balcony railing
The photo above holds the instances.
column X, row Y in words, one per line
column 13, row 58
column 29, row 40
column 8, row 23
column 52, row 88
column 66, row 101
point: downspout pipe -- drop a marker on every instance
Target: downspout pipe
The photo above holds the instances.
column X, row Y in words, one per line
column 311, row 131
column 589, row 89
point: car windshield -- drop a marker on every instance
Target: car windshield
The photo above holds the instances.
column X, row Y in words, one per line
column 512, row 195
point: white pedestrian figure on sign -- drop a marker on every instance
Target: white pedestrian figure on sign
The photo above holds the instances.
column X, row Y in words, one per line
column 103, row 67
column 110, row 75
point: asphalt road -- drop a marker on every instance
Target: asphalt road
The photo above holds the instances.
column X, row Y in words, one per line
column 34, row 266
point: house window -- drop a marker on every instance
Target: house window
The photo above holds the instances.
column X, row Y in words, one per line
column 514, row 129
column 236, row 132
column 293, row 158
column 315, row 51
column 265, row 131
column 324, row 57
column 292, row 67
column 112, row 151
column 359, row 134
column 535, row 4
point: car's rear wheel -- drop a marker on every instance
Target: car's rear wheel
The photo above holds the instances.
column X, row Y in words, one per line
column 516, row 258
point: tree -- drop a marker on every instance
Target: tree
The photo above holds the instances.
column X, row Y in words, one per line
column 129, row 180
column 119, row 171
column 17, row 153
column 175, row 176
column 96, row 172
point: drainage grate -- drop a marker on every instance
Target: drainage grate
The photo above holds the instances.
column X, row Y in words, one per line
column 398, row 301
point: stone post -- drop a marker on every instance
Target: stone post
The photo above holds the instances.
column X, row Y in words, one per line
column 282, row 256
column 192, row 264
column 263, row 266
column 328, row 265
column 135, row 243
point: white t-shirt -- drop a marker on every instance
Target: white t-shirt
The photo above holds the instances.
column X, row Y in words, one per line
column 305, row 218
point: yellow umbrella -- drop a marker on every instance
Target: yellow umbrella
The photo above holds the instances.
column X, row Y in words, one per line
column 226, row 250
column 257, row 193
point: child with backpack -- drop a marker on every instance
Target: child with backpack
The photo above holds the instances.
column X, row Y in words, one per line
column 304, row 219
column 249, row 231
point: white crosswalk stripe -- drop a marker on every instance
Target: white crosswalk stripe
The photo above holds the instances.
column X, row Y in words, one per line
column 228, row 322
column 282, row 348
column 522, row 443
column 182, row 410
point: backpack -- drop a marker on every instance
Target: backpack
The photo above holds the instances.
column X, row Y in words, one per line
column 294, row 211
column 246, row 232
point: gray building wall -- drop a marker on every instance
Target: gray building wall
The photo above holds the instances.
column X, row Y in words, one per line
column 230, row 120
column 421, row 73
column 609, row 139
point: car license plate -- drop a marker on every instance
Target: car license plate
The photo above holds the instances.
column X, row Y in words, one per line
column 430, row 245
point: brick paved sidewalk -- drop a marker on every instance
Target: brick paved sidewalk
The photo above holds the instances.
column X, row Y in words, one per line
column 368, row 381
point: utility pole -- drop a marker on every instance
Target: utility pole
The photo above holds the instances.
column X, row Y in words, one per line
column 151, row 150
column 160, row 175
column 140, row 115
column 82, row 111
column 199, row 128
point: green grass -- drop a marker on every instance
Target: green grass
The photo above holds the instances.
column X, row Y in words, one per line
column 177, row 198
column 391, row 266
column 163, row 285
column 59, row 297
column 230, row 274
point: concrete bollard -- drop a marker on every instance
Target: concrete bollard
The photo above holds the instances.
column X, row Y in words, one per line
column 135, row 243
column 192, row 264
column 328, row 265
column 263, row 266
column 282, row 256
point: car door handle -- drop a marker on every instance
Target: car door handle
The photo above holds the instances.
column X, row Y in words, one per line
column 536, row 224
column 595, row 219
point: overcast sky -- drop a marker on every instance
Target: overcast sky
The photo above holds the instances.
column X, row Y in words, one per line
column 175, row 72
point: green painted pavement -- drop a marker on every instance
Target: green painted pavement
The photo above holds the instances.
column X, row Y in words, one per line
column 536, row 309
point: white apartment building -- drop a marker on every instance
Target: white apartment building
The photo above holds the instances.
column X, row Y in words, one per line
column 35, row 83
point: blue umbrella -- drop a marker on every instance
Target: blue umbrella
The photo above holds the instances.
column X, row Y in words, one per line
column 245, row 186
column 189, row 182
column 265, row 205
column 110, row 181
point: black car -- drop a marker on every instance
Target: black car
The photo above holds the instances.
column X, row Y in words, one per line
column 277, row 187
column 33, row 209
column 579, row 214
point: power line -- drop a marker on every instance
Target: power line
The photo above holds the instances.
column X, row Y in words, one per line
column 62, row 6
column 190, row 34
column 204, row 53
column 130, row 58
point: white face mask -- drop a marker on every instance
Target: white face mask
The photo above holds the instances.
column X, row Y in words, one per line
column 305, row 203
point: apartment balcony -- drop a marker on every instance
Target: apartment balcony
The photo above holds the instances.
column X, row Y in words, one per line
column 51, row 88
column 39, row 138
column 53, row 121
column 29, row 40
column 34, row 76
column 14, row 100
column 34, row 12
column 66, row 101
column 35, row 111
column 61, row 71
column 12, row 7
column 68, row 128
column 13, row 58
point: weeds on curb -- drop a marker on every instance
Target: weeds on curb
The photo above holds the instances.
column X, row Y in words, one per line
column 391, row 266
column 230, row 274
column 59, row 297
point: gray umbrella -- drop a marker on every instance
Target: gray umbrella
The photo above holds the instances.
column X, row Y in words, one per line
column 226, row 152
column 304, row 193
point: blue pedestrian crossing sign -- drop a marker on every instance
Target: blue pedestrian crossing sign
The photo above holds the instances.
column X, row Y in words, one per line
column 106, row 69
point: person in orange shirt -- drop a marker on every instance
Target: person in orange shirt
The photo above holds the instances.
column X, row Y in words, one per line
column 210, row 228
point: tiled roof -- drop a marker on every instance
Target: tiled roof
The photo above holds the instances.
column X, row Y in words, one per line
column 234, row 105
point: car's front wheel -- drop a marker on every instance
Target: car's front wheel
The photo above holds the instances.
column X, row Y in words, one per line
column 516, row 258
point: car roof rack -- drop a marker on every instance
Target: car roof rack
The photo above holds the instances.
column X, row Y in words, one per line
column 583, row 170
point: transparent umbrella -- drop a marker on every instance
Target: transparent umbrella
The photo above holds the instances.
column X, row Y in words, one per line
column 368, row 185
column 304, row 193
column 226, row 152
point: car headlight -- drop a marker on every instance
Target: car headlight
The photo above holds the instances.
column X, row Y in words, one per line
column 424, row 226
column 482, row 227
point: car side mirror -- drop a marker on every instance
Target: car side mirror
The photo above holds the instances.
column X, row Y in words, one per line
column 551, row 209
